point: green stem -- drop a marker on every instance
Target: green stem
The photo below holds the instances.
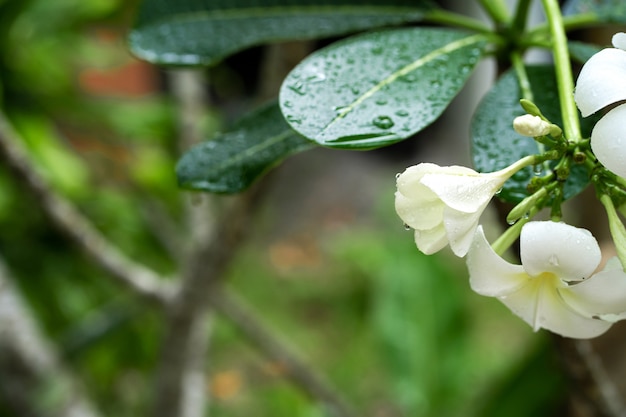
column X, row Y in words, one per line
column 522, row 75
column 565, row 81
column 618, row 232
column 511, row 234
column 497, row 10
column 447, row 18
column 521, row 15
column 577, row 21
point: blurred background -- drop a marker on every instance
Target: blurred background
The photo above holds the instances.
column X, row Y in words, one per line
column 326, row 263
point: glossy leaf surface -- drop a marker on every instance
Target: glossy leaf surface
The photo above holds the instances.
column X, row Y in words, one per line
column 231, row 162
column 495, row 145
column 608, row 11
column 201, row 32
column 378, row 88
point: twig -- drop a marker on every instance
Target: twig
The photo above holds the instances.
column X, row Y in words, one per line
column 29, row 364
column 71, row 222
column 181, row 380
column 264, row 339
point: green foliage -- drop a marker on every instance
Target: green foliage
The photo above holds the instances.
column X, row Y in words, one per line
column 606, row 11
column 194, row 32
column 232, row 161
column 378, row 88
column 582, row 51
column 495, row 145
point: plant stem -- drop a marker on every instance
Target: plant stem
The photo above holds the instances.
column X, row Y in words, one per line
column 565, row 81
column 521, row 16
column 618, row 232
column 497, row 10
column 522, row 76
column 511, row 234
column 447, row 18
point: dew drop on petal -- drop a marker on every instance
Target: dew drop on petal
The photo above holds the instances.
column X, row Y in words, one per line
column 553, row 260
column 407, row 227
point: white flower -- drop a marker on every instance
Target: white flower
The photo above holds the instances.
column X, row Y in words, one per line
column 554, row 287
column 444, row 204
column 602, row 82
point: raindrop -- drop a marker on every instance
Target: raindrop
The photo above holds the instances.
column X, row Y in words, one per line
column 402, row 113
column 340, row 109
column 511, row 222
column 381, row 101
column 297, row 88
column 537, row 169
column 407, row 227
column 435, row 83
column 398, row 175
column 383, row 122
column 293, row 119
column 288, row 104
column 355, row 90
column 499, row 191
column 377, row 50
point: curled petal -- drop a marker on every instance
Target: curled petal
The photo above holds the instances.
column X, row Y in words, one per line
column 420, row 212
column 467, row 191
column 460, row 228
column 603, row 293
column 431, row 240
column 602, row 81
column 566, row 251
column 491, row 275
column 540, row 305
column 608, row 140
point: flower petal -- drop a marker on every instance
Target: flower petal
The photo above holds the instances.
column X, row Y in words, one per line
column 491, row 275
column 420, row 212
column 568, row 252
column 602, row 81
column 608, row 140
column 538, row 303
column 460, row 229
column 432, row 240
column 463, row 191
column 619, row 40
column 603, row 293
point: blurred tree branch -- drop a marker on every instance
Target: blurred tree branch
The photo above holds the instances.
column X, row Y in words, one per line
column 141, row 280
column 29, row 364
column 187, row 301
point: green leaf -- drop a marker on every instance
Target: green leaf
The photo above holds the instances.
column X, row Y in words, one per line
column 495, row 145
column 200, row 32
column 379, row 88
column 582, row 51
column 234, row 160
column 607, row 11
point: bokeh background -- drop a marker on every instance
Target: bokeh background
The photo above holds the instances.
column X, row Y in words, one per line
column 326, row 263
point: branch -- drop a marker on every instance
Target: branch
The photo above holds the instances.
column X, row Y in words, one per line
column 271, row 346
column 29, row 365
column 139, row 279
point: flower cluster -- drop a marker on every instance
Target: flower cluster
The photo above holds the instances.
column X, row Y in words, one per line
column 557, row 285
column 602, row 83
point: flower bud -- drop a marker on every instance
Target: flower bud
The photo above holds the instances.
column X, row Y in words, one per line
column 531, row 126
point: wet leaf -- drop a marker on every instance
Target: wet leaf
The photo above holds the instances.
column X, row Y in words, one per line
column 378, row 88
column 199, row 32
column 231, row 162
column 495, row 145
column 607, row 11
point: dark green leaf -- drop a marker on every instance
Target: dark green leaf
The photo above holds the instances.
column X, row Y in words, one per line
column 234, row 160
column 495, row 145
column 200, row 32
column 582, row 51
column 378, row 88
column 607, row 11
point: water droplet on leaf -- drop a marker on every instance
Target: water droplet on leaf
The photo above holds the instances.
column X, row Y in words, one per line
column 383, row 122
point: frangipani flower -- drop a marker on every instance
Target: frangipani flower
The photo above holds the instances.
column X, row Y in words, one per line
column 553, row 288
column 444, row 204
column 602, row 82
